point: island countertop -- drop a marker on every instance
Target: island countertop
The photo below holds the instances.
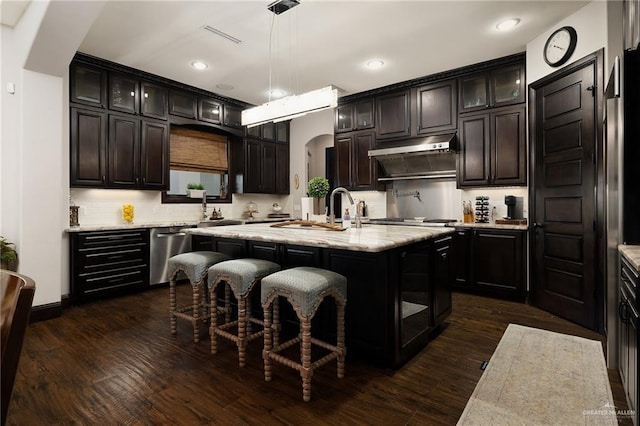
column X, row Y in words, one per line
column 369, row 238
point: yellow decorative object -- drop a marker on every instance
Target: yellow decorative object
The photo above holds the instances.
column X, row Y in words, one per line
column 127, row 213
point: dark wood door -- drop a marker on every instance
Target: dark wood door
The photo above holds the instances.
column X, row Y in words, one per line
column 364, row 167
column 282, row 168
column 343, row 161
column 88, row 147
column 154, row 155
column 475, row 144
column 564, row 243
column 124, row 151
column 394, row 117
column 268, row 185
column 508, row 151
column 253, row 165
column 436, row 107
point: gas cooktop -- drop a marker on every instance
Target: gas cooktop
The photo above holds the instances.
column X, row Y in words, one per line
column 412, row 221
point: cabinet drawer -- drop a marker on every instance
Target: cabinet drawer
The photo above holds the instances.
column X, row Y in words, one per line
column 111, row 279
column 106, row 239
column 128, row 255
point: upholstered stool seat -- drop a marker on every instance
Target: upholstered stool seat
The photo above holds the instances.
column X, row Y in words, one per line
column 195, row 266
column 240, row 275
column 304, row 288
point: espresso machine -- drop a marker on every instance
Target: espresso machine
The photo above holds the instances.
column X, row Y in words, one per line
column 510, row 201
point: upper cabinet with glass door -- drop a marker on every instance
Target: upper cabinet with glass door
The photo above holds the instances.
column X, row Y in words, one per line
column 492, row 88
column 354, row 116
column 154, row 100
column 88, row 85
column 123, row 93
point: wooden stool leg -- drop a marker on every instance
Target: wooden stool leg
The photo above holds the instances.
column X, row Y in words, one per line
column 247, row 297
column 340, row 338
column 276, row 322
column 267, row 343
column 214, row 318
column 196, row 313
column 242, row 329
column 227, row 304
column 305, row 372
column 172, row 306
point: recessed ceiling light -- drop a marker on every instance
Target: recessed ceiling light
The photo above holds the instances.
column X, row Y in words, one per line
column 199, row 65
column 223, row 86
column 277, row 93
column 375, row 64
column 507, row 24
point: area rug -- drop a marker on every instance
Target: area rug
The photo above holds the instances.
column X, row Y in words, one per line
column 538, row 377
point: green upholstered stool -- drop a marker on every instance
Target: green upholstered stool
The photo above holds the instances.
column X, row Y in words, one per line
column 304, row 288
column 195, row 266
column 240, row 275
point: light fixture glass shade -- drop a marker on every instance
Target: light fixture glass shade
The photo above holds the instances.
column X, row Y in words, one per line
column 291, row 107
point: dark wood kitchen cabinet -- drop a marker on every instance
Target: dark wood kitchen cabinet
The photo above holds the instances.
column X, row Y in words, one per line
column 628, row 333
column 266, row 159
column 209, row 110
column 88, row 85
column 124, row 93
column 492, row 148
column 154, row 100
column 232, row 116
column 88, row 147
column 493, row 88
column 183, row 104
column 108, row 263
column 138, row 153
column 393, row 116
column 354, row 169
column 435, row 108
column 355, row 116
column 490, row 262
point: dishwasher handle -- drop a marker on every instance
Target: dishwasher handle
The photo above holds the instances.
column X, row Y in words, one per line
column 171, row 234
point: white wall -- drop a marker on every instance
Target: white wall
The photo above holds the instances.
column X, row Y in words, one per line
column 590, row 24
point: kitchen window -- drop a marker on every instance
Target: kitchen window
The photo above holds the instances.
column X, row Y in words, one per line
column 197, row 156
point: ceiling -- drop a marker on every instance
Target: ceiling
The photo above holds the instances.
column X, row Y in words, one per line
column 317, row 43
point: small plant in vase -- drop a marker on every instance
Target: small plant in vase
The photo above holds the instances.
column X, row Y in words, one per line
column 195, row 190
column 317, row 188
column 8, row 255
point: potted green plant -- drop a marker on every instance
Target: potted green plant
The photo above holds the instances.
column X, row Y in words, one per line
column 8, row 255
column 195, row 190
column 317, row 188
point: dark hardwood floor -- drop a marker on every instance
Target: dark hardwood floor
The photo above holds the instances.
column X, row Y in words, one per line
column 114, row 362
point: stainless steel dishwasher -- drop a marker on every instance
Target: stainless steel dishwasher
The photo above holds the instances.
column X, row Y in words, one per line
column 164, row 243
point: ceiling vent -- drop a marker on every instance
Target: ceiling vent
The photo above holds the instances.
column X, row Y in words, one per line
column 222, row 34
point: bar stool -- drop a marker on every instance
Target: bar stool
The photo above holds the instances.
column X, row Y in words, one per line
column 304, row 288
column 195, row 266
column 241, row 275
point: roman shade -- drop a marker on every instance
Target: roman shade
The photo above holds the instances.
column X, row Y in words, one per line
column 198, row 151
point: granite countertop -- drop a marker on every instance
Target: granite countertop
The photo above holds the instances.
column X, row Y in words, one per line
column 632, row 254
column 91, row 228
column 374, row 238
column 490, row 225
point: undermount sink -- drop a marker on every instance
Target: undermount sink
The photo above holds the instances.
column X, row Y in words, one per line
column 221, row 222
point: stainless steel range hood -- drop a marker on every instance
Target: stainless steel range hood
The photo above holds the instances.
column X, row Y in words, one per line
column 433, row 157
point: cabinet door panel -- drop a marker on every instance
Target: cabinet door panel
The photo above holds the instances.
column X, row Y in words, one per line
column 363, row 114
column 507, row 85
column 508, row 159
column 88, row 147
column 183, row 104
column 124, row 151
column 232, row 116
column 282, row 169
column 498, row 261
column 393, row 116
column 473, row 159
column 154, row 153
column 253, row 167
column 268, row 167
column 209, row 110
column 88, row 85
column 461, row 257
column 123, row 93
column 474, row 92
column 343, row 161
column 154, row 100
column 441, row 277
column 436, row 107
column 365, row 167
column 344, row 118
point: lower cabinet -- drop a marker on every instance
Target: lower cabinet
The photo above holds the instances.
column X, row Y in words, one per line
column 108, row 263
column 490, row 262
column 628, row 335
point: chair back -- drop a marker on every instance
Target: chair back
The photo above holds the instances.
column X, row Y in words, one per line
column 16, row 297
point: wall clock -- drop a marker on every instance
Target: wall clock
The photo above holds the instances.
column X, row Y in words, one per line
column 560, row 46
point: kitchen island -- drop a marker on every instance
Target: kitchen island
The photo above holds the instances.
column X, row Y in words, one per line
column 398, row 278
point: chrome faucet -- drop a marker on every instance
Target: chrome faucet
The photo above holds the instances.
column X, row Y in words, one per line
column 332, row 215
column 204, row 205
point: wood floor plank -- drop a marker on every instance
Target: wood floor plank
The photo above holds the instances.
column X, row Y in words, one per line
column 115, row 362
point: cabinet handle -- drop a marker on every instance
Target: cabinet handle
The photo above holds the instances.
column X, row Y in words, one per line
column 103, row 178
column 623, row 313
column 137, row 181
column 537, row 225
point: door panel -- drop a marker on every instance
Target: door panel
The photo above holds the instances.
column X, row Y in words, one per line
column 508, row 162
column 474, row 150
column 564, row 242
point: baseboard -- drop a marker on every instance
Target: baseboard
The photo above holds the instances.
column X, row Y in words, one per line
column 45, row 312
